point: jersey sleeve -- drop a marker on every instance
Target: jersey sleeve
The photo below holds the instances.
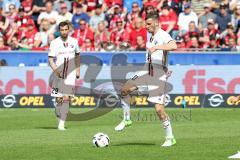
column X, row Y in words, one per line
column 52, row 50
column 166, row 37
column 77, row 48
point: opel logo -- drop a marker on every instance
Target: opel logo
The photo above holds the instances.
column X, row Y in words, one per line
column 216, row 100
column 111, row 100
column 9, row 101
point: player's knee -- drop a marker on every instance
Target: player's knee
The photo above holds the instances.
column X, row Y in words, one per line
column 160, row 110
column 66, row 99
column 124, row 92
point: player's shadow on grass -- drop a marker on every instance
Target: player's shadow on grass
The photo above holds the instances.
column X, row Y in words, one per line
column 134, row 144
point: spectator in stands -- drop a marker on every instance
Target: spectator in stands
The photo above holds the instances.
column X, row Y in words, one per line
column 38, row 6
column 223, row 18
column 83, row 32
column 7, row 3
column 168, row 21
column 236, row 18
column 119, row 34
column 64, row 15
column 4, row 26
column 192, row 32
column 115, row 13
column 206, row 15
column 24, row 44
column 180, row 43
column 151, row 3
column 42, row 37
column 3, row 62
column 80, row 14
column 228, row 34
column 233, row 4
column 58, row 3
column 193, row 42
column 79, row 2
column 185, row 18
column 216, row 5
column 97, row 17
column 138, row 30
column 27, row 6
column 207, row 33
column 111, row 3
column 147, row 9
column 232, row 44
column 13, row 42
column 49, row 14
column 87, row 46
column 28, row 37
column 131, row 16
column 141, row 45
column 128, row 4
column 22, row 19
column 12, row 14
column 101, row 35
column 91, row 6
column 3, row 47
column 213, row 42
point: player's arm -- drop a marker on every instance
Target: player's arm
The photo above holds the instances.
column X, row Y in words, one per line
column 77, row 62
column 170, row 46
column 51, row 56
column 54, row 66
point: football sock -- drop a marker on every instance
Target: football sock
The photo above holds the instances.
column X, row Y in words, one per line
column 168, row 128
column 64, row 110
column 57, row 110
column 126, row 107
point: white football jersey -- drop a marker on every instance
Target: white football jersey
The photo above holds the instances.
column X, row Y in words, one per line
column 160, row 38
column 63, row 50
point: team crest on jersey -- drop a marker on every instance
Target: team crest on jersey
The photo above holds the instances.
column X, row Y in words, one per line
column 155, row 42
column 71, row 46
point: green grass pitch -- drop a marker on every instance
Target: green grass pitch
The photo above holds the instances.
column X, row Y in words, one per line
column 201, row 134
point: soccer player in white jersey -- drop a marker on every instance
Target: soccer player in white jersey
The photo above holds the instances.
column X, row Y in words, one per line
column 66, row 68
column 157, row 45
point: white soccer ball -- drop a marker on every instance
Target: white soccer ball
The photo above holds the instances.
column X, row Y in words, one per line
column 101, row 140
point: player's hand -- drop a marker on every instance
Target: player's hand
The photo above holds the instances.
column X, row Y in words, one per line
column 152, row 49
column 57, row 73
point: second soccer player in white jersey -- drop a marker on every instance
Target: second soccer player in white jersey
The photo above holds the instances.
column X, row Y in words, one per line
column 158, row 45
column 66, row 68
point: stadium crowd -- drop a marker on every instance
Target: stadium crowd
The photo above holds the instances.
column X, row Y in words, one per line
column 102, row 25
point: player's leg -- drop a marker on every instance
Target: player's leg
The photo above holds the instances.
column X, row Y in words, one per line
column 157, row 96
column 62, row 109
column 125, row 102
column 163, row 116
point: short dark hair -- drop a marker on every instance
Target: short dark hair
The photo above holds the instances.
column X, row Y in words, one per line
column 154, row 15
column 48, row 1
column 64, row 23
